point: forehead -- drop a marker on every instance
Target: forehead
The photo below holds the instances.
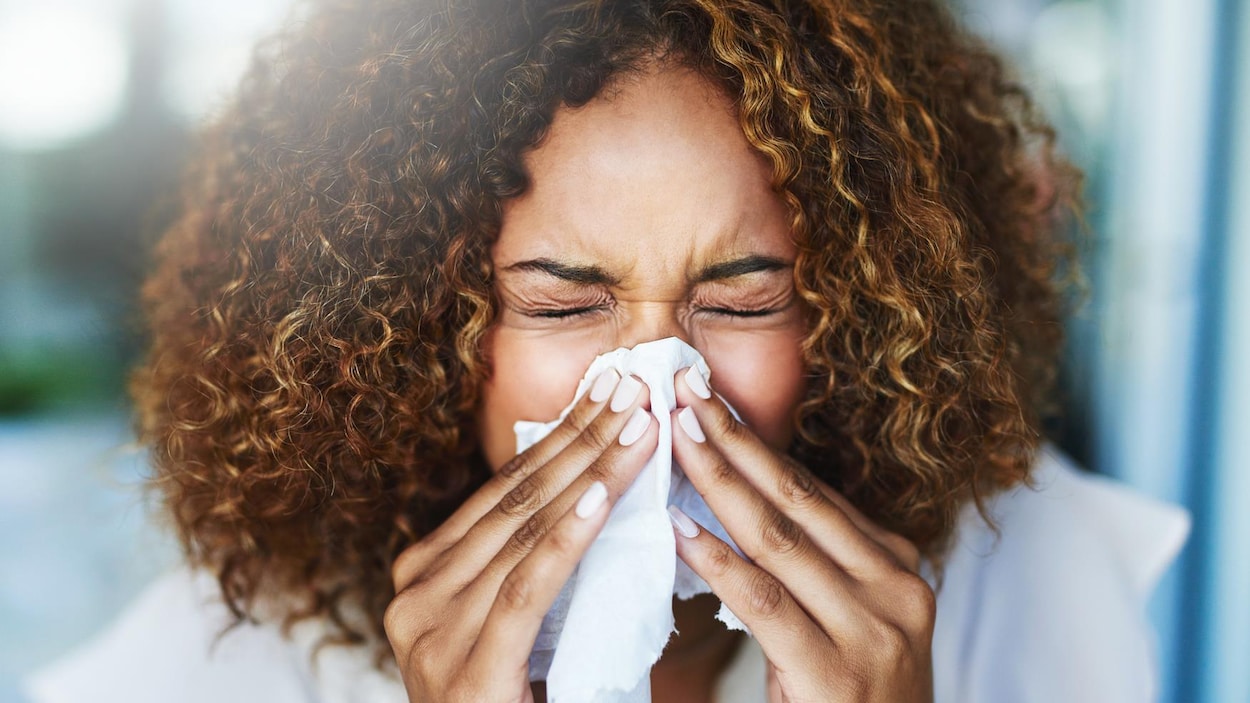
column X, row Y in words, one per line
column 655, row 173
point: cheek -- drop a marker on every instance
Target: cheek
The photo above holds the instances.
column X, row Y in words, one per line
column 762, row 378
column 532, row 378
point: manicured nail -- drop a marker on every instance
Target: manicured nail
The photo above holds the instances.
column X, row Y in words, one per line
column 636, row 427
column 604, row 385
column 682, row 522
column 690, row 425
column 694, row 379
column 591, row 500
column 626, row 392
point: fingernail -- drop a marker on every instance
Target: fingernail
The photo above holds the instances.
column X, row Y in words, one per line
column 682, row 522
column 637, row 425
column 690, row 425
column 694, row 379
column 626, row 392
column 603, row 386
column 591, row 500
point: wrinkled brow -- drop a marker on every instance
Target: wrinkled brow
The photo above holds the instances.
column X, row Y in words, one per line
column 595, row 275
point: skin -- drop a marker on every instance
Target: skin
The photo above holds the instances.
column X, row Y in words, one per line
column 650, row 216
column 650, row 185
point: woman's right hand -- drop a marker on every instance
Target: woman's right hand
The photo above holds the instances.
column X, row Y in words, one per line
column 471, row 595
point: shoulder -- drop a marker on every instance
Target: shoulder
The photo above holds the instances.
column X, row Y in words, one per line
column 1054, row 608
column 172, row 644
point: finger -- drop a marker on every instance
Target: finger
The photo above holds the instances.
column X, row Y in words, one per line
column 587, row 409
column 616, row 468
column 731, row 450
column 903, row 549
column 583, row 413
column 905, row 552
column 765, row 535
column 692, row 388
column 784, row 630
column 524, row 597
column 511, row 528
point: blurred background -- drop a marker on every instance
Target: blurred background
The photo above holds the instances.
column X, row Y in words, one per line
column 1151, row 98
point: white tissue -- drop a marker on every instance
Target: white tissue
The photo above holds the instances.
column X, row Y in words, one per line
column 614, row 616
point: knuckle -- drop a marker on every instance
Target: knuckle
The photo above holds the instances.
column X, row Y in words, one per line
column 890, row 643
column 399, row 620
column 799, row 488
column 918, row 602
column 423, row 651
column 722, row 472
column 765, row 596
column 601, row 468
column 596, row 434
column 579, row 418
column 561, row 542
column 527, row 535
column 516, row 592
column 721, row 559
column 781, row 535
column 395, row 621
column 609, row 466
column 434, row 663
column 523, row 499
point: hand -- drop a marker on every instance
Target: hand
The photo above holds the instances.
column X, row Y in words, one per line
column 472, row 594
column 835, row 601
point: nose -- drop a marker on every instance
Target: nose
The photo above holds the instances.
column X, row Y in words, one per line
column 653, row 322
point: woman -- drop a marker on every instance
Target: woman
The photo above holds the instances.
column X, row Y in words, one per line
column 420, row 221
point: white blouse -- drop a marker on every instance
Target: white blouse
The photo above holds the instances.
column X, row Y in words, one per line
column 1055, row 611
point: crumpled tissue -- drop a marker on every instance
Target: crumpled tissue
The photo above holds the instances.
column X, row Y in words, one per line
column 614, row 616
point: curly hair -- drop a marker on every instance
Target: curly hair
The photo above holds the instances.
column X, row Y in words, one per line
column 316, row 309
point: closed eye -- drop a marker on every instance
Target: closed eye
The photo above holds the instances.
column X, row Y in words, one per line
column 577, row 312
column 732, row 312
column 567, row 312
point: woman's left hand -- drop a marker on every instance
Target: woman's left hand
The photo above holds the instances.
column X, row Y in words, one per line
column 835, row 601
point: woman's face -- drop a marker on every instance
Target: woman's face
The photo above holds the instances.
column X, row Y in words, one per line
column 648, row 216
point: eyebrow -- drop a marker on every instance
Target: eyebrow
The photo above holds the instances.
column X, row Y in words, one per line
column 741, row 267
column 589, row 275
column 594, row 275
